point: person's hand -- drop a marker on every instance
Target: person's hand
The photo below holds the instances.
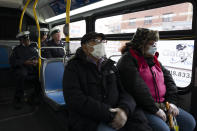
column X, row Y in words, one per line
column 173, row 110
column 160, row 113
column 35, row 62
column 120, row 119
column 28, row 62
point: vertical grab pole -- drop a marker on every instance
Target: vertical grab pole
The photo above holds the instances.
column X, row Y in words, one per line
column 68, row 18
column 38, row 27
column 21, row 19
column 66, row 28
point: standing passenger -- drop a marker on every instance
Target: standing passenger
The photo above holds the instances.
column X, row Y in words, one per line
column 24, row 61
column 44, row 36
column 44, row 40
column 150, row 83
column 95, row 98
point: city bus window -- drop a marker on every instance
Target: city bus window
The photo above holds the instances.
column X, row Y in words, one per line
column 173, row 17
column 74, row 45
column 177, row 57
column 112, row 49
column 77, row 29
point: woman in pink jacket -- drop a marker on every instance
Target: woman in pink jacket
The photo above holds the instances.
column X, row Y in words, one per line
column 151, row 85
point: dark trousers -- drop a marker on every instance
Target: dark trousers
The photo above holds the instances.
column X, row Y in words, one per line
column 26, row 77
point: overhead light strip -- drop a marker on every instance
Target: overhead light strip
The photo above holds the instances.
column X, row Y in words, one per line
column 84, row 9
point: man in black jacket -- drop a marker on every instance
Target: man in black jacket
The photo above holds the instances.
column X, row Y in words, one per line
column 55, row 42
column 24, row 61
column 95, row 98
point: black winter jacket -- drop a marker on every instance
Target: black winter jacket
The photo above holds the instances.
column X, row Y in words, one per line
column 55, row 53
column 135, row 85
column 90, row 93
column 19, row 55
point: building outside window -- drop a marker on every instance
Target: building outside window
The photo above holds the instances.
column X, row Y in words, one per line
column 167, row 17
column 132, row 21
column 148, row 20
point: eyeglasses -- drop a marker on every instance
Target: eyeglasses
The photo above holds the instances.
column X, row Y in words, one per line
column 97, row 41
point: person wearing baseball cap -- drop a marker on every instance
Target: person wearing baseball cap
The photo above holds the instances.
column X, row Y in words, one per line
column 93, row 45
column 24, row 64
column 95, row 98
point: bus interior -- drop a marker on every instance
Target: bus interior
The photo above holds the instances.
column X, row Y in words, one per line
column 176, row 21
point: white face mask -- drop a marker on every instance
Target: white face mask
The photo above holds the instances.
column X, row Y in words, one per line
column 152, row 50
column 99, row 50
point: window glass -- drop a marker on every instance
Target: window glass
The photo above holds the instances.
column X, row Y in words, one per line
column 174, row 17
column 112, row 49
column 177, row 57
column 77, row 29
column 74, row 45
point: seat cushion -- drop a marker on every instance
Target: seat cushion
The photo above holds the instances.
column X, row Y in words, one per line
column 56, row 96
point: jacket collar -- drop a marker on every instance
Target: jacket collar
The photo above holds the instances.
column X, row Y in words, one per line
column 80, row 54
column 54, row 43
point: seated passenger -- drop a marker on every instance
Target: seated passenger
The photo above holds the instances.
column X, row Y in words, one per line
column 55, row 42
column 93, row 93
column 44, row 40
column 150, row 83
column 24, row 61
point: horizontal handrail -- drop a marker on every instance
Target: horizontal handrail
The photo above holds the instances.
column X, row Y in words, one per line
column 51, row 47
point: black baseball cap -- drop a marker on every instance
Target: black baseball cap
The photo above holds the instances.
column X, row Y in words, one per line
column 91, row 35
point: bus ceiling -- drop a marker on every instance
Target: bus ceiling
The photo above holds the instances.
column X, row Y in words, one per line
column 52, row 10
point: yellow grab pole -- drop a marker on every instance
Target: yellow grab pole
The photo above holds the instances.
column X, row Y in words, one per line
column 68, row 4
column 21, row 19
column 38, row 27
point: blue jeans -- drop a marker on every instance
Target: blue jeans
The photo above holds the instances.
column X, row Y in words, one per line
column 186, row 122
column 103, row 127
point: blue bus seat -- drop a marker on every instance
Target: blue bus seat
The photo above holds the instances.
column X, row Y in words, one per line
column 4, row 57
column 57, row 96
column 53, row 71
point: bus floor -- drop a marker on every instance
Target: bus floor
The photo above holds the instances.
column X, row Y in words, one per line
column 39, row 118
